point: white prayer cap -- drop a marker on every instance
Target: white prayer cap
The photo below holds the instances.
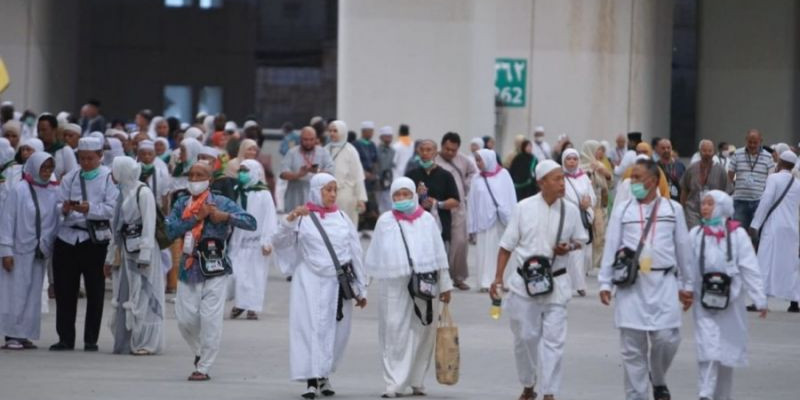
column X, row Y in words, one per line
column 193, row 133
column 367, row 125
column 160, row 140
column 63, row 117
column 386, row 131
column 642, row 157
column 478, row 142
column 147, row 145
column 200, row 115
column 545, row 167
column 230, row 126
column 14, row 125
column 33, row 143
column 789, row 157
column 209, row 151
column 7, row 103
column 90, row 144
column 318, row 181
column 539, row 129
column 315, row 120
column 184, row 126
column 249, row 124
column 116, row 133
column 73, row 128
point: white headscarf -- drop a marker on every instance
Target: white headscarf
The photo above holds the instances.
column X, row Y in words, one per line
column 6, row 151
column 404, row 183
column 33, row 143
column 489, row 158
column 193, row 148
column 256, row 172
column 193, row 133
column 567, row 153
column 246, row 144
column 126, row 171
column 151, row 131
column 34, row 164
column 115, row 150
column 723, row 204
column 162, row 140
column 315, row 187
column 341, row 128
column 477, row 141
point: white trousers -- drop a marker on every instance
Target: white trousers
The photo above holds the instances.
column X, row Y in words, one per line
column 646, row 362
column 199, row 309
column 540, row 331
column 715, row 380
column 578, row 262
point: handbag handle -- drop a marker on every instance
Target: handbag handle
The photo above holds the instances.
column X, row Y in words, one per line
column 445, row 318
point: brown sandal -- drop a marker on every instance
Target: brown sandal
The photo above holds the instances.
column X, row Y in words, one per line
column 527, row 394
column 252, row 316
column 198, row 376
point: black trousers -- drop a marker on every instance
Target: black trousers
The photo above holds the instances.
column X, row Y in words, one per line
column 69, row 263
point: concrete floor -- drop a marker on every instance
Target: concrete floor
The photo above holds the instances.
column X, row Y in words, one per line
column 252, row 363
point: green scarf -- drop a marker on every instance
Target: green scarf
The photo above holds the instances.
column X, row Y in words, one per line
column 55, row 147
column 178, row 171
column 241, row 192
column 147, row 172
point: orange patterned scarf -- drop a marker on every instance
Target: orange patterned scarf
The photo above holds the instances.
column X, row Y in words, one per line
column 192, row 208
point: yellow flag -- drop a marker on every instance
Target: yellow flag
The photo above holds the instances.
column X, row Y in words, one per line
column 4, row 80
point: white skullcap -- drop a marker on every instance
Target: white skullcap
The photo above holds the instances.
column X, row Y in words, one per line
column 90, row 144
column 193, row 133
column 97, row 135
column 538, row 129
column 73, row 128
column 184, row 126
column 386, row 131
column 642, row 157
column 7, row 103
column 367, row 125
column 62, row 117
column 314, row 120
column 16, row 126
column 230, row 126
column 115, row 133
column 201, row 115
column 789, row 157
column 209, row 151
column 545, row 167
column 147, row 144
column 249, row 123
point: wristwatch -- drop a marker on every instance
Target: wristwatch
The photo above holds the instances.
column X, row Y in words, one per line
column 440, row 205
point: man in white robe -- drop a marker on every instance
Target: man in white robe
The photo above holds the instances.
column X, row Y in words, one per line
column 251, row 250
column 406, row 341
column 541, row 149
column 650, row 308
column 779, row 244
column 23, row 271
column 539, row 323
column 349, row 173
column 719, row 246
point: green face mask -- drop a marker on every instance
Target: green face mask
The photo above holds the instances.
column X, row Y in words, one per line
column 89, row 175
column 164, row 157
column 716, row 221
column 244, row 177
column 638, row 190
column 148, row 168
column 405, row 206
column 426, row 164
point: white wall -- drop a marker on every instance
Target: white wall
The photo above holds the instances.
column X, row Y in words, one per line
column 38, row 42
column 748, row 70
column 595, row 68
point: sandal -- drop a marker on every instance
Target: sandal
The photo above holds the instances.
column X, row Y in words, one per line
column 325, row 387
column 12, row 345
column 310, row 393
column 661, row 393
column 252, row 316
column 417, row 392
column 141, row 352
column 527, row 394
column 197, row 376
column 236, row 312
column 28, row 345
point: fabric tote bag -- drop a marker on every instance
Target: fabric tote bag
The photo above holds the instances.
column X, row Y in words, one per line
column 447, row 352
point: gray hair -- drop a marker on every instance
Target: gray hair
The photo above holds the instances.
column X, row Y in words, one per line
column 700, row 145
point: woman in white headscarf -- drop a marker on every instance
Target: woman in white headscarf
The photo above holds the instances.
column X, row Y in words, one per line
column 6, row 163
column 721, row 245
column 319, row 318
column 138, row 319
column 579, row 191
column 112, row 150
column 491, row 200
column 248, row 150
column 600, row 176
column 251, row 250
column 475, row 144
column 24, row 250
column 406, row 341
column 349, row 173
column 158, row 128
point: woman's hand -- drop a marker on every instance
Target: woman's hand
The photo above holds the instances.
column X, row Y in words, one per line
column 361, row 302
column 445, row 297
column 299, row 211
column 266, row 250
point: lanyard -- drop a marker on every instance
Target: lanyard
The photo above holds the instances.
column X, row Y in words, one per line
column 309, row 160
column 654, row 215
column 754, row 163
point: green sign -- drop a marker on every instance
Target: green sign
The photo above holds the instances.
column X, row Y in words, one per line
column 510, row 81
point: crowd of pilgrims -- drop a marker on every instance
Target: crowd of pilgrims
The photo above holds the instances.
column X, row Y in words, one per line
column 164, row 207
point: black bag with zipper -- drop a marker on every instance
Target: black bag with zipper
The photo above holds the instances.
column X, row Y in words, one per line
column 99, row 229
column 625, row 269
column 537, row 271
column 715, row 291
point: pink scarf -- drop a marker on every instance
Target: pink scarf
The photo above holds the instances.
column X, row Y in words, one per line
column 408, row 217
column 28, row 178
column 321, row 210
column 720, row 234
column 576, row 175
column 491, row 174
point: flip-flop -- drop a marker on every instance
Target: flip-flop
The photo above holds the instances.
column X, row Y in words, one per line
column 198, row 377
column 236, row 312
column 12, row 345
column 252, row 316
column 28, row 345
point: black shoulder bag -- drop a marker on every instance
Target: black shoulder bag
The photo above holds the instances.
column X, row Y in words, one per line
column 537, row 271
column 421, row 285
column 99, row 229
column 771, row 209
column 212, row 257
column 39, row 255
column 625, row 269
column 344, row 273
column 716, row 288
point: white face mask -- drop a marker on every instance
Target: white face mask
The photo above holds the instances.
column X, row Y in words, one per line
column 196, row 188
column 538, row 139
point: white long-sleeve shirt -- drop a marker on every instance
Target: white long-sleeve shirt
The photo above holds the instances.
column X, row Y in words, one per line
column 102, row 197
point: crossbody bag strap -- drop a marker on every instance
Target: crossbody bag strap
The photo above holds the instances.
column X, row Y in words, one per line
column 38, row 214
column 653, row 216
column 494, row 200
column 428, row 304
column 327, row 241
column 83, row 187
column 776, row 204
column 405, row 245
column 561, row 216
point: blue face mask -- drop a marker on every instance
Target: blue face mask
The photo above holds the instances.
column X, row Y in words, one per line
column 638, row 190
column 426, row 164
column 38, row 179
column 405, row 206
column 89, row 175
column 244, row 177
column 716, row 221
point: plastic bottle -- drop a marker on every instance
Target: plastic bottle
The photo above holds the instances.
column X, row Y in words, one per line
column 496, row 310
